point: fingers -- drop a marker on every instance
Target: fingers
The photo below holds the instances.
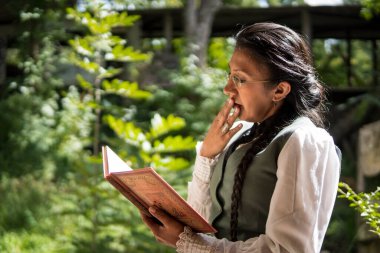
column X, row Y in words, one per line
column 220, row 131
column 160, row 215
column 225, row 128
column 151, row 223
column 233, row 131
column 225, row 111
column 232, row 117
column 166, row 233
column 158, row 219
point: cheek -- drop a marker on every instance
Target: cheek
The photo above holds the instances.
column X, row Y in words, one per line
column 255, row 108
column 249, row 108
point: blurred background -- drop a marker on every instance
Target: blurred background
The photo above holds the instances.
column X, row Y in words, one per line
column 146, row 78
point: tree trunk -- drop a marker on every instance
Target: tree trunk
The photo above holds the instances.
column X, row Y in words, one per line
column 198, row 25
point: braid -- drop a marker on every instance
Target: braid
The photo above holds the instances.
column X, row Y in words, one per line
column 265, row 132
column 239, row 181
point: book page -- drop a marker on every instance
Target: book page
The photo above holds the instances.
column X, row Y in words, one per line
column 115, row 164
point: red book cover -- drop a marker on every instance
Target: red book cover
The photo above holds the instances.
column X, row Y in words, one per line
column 145, row 188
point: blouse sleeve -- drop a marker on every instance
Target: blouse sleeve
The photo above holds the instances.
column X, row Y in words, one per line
column 301, row 205
column 199, row 188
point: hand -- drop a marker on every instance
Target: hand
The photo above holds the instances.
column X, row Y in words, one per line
column 220, row 133
column 168, row 232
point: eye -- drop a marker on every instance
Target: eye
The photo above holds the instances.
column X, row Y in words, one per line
column 236, row 79
column 242, row 81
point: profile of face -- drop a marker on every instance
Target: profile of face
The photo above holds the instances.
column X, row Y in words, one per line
column 250, row 88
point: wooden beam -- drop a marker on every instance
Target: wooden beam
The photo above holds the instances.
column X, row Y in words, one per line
column 327, row 21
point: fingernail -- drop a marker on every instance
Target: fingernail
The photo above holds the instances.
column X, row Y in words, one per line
column 152, row 209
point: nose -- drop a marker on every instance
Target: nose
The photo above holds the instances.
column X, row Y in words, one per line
column 229, row 89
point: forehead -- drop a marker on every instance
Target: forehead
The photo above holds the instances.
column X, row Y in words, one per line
column 244, row 61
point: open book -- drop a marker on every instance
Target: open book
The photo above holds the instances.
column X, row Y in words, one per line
column 145, row 188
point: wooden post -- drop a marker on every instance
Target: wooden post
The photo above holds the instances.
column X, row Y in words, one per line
column 375, row 66
column 134, row 35
column 348, row 61
column 3, row 53
column 368, row 166
column 307, row 30
column 168, row 31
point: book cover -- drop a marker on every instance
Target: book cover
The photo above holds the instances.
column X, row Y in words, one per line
column 145, row 188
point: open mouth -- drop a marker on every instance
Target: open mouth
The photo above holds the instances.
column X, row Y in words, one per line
column 235, row 107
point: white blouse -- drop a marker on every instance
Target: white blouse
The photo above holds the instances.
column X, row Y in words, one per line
column 301, row 205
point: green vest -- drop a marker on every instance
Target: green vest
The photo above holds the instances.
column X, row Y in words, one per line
column 257, row 190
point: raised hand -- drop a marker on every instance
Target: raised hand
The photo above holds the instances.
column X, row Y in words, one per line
column 220, row 131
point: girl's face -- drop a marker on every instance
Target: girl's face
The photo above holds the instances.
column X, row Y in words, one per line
column 248, row 86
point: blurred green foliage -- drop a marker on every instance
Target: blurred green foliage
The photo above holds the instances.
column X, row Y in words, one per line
column 370, row 8
column 53, row 196
column 333, row 54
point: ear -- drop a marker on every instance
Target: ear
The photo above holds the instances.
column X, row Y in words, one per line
column 281, row 91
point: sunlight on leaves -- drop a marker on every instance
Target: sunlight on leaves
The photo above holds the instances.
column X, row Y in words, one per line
column 126, row 130
column 125, row 89
column 161, row 126
column 83, row 82
column 169, row 162
column 174, row 144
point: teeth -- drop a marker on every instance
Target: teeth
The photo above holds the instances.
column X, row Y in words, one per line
column 232, row 111
column 234, row 108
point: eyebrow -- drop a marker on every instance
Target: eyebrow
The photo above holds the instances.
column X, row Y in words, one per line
column 241, row 71
column 238, row 70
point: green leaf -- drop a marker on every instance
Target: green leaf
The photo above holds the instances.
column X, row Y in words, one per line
column 73, row 14
column 161, row 126
column 83, row 83
column 109, row 72
column 365, row 203
column 99, row 23
column 126, row 54
column 120, row 19
column 169, row 162
column 116, row 40
column 126, row 130
column 174, row 144
column 82, row 46
column 85, row 64
column 125, row 88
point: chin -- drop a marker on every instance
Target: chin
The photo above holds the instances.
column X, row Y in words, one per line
column 246, row 118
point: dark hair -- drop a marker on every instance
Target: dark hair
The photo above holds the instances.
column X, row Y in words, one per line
column 287, row 57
